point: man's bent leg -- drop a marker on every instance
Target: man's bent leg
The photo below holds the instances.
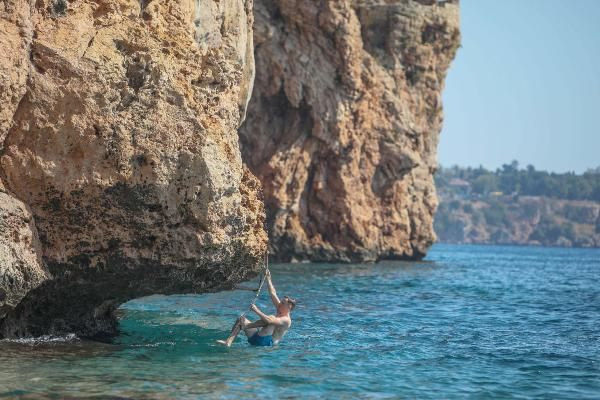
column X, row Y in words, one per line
column 250, row 328
column 235, row 330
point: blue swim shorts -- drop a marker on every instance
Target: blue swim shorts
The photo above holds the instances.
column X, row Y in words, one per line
column 257, row 340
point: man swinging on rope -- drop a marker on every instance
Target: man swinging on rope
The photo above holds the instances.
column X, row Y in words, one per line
column 269, row 329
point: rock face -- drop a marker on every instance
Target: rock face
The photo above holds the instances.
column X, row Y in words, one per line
column 343, row 124
column 119, row 127
column 519, row 220
column 21, row 268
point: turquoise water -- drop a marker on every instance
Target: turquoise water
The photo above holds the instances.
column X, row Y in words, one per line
column 472, row 321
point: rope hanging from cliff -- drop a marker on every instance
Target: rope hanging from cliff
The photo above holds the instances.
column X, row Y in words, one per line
column 262, row 281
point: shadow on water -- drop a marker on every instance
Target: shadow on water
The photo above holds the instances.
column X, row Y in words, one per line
column 53, row 348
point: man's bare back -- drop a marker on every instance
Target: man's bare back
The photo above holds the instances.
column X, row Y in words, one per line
column 269, row 329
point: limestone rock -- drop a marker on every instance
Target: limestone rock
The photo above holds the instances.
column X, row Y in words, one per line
column 343, row 124
column 120, row 135
column 15, row 38
column 21, row 267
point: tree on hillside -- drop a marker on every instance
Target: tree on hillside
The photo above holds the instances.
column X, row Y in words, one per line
column 593, row 171
column 485, row 184
column 528, row 182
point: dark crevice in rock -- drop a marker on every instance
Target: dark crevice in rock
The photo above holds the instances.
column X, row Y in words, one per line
column 137, row 74
column 296, row 129
column 58, row 8
column 375, row 30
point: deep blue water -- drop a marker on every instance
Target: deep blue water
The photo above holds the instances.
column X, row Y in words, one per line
column 470, row 322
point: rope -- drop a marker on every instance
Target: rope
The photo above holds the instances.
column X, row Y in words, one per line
column 262, row 281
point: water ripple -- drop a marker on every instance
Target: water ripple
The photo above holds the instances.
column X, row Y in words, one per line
column 473, row 321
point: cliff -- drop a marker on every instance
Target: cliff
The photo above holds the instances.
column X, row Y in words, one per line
column 518, row 206
column 121, row 174
column 120, row 169
column 519, row 220
column 343, row 124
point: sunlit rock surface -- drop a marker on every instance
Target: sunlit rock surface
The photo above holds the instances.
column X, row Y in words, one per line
column 343, row 125
column 118, row 132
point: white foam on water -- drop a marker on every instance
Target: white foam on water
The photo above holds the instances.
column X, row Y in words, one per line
column 156, row 344
column 71, row 337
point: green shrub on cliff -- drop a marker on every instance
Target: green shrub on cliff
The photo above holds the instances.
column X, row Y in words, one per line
column 530, row 210
column 495, row 214
column 447, row 226
column 580, row 214
column 549, row 231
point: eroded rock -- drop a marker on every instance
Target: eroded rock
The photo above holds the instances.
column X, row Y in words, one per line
column 343, row 125
column 21, row 266
column 122, row 141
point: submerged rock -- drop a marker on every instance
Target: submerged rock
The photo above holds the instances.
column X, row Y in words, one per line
column 343, row 125
column 119, row 128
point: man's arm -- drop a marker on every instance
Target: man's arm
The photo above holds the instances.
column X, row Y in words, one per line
column 272, row 291
column 269, row 319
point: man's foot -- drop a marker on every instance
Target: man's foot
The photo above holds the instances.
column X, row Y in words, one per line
column 237, row 327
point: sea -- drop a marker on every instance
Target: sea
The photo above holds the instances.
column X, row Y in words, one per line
column 477, row 322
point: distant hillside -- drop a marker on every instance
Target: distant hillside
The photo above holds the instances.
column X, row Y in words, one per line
column 518, row 206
